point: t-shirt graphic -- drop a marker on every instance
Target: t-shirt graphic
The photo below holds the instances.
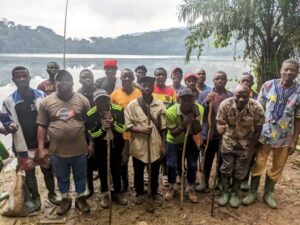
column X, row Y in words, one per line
column 65, row 114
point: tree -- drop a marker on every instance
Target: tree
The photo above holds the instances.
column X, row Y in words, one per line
column 269, row 28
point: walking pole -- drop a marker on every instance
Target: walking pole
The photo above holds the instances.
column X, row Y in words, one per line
column 149, row 205
column 65, row 32
column 109, row 137
column 215, row 180
column 182, row 165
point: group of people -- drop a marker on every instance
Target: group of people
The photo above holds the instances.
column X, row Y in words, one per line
column 62, row 131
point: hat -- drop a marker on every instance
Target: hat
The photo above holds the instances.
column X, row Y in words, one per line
column 147, row 79
column 188, row 75
column 99, row 93
column 177, row 69
column 185, row 92
column 63, row 73
column 110, row 63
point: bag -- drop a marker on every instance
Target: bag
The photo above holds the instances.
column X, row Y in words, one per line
column 19, row 202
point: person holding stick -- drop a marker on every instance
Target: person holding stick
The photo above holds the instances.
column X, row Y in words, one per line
column 145, row 119
column 179, row 117
column 240, row 121
column 102, row 117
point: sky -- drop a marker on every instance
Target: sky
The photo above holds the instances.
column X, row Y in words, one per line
column 87, row 18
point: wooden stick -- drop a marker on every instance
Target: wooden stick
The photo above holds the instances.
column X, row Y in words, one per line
column 108, row 135
column 65, row 33
column 182, row 164
column 53, row 221
column 149, row 156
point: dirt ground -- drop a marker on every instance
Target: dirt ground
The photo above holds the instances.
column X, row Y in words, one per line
column 287, row 193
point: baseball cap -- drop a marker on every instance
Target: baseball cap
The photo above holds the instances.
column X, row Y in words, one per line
column 110, row 63
column 185, row 92
column 99, row 93
column 188, row 75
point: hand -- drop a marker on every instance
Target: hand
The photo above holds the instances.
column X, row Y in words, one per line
column 221, row 128
column 43, row 153
column 12, row 128
column 146, row 130
column 248, row 153
column 90, row 151
column 106, row 123
column 107, row 115
column 162, row 150
column 210, row 97
column 292, row 148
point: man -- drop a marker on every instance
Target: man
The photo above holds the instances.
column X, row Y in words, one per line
column 86, row 78
column 110, row 82
column 211, row 100
column 140, row 72
column 122, row 97
column 178, row 118
column 176, row 77
column 62, row 117
column 144, row 128
column 201, row 86
column 48, row 86
column 102, row 117
column 281, row 101
column 240, row 121
column 167, row 96
column 248, row 80
column 190, row 80
column 19, row 113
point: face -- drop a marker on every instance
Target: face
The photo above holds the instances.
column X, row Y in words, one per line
column 241, row 98
column 147, row 88
column 220, row 80
column 21, row 79
column 52, row 69
column 186, row 103
column 64, row 86
column 247, row 80
column 160, row 77
column 86, row 79
column 201, row 77
column 103, row 104
column 127, row 78
column 111, row 72
column 140, row 73
column 191, row 83
column 288, row 72
column 176, row 76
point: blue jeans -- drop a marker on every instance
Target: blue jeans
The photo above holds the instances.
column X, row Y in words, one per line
column 191, row 154
column 62, row 168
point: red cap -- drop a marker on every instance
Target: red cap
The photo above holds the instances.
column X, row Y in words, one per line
column 188, row 75
column 110, row 63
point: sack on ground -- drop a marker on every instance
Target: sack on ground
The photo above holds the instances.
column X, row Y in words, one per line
column 19, row 202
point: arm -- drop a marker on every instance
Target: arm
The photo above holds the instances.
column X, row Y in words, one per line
column 41, row 137
column 293, row 145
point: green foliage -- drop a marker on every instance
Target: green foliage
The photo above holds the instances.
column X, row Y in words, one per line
column 269, row 28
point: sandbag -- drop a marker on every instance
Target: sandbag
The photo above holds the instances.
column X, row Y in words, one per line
column 19, row 202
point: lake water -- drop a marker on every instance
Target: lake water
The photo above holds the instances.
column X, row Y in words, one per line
column 36, row 64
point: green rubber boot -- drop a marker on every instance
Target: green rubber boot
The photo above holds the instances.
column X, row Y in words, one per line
column 223, row 200
column 269, row 188
column 235, row 200
column 252, row 195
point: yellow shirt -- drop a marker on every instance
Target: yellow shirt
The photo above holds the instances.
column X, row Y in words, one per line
column 134, row 116
column 121, row 98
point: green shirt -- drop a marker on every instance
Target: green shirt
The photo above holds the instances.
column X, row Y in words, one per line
column 174, row 119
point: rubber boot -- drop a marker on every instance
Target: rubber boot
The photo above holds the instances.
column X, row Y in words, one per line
column 269, row 188
column 252, row 195
column 32, row 185
column 235, row 200
column 223, row 200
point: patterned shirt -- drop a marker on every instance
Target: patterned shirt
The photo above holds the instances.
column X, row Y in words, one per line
column 47, row 86
column 282, row 106
column 240, row 124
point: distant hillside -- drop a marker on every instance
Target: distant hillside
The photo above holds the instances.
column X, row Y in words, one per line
column 24, row 39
